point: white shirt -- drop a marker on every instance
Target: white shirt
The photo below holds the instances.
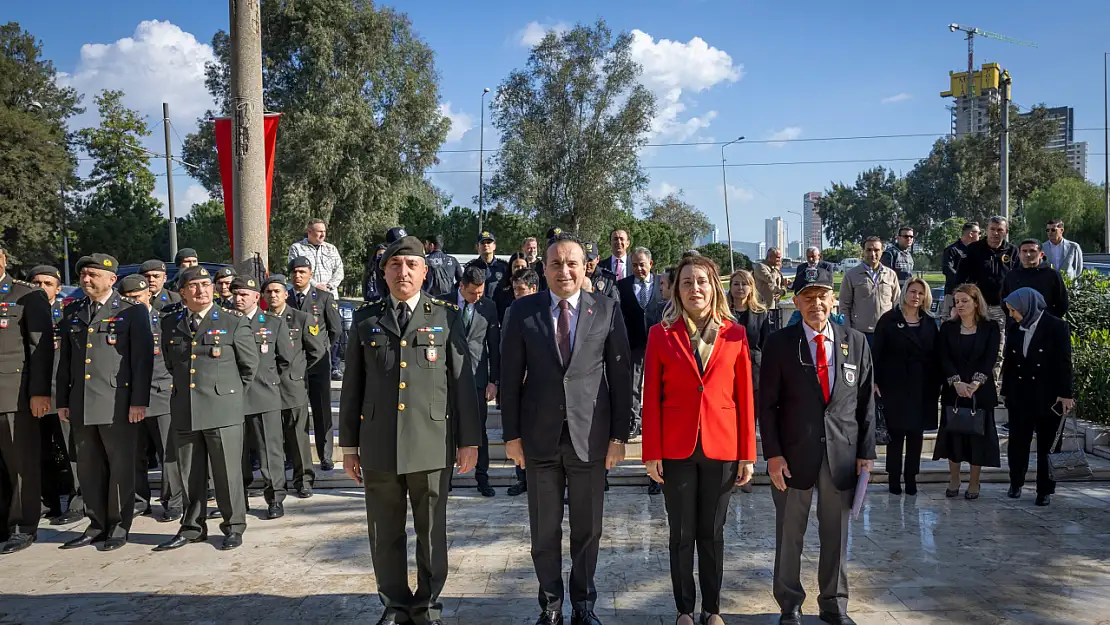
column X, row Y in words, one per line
column 829, row 345
column 574, row 301
column 1029, row 335
column 639, row 285
column 411, row 302
column 1054, row 253
column 623, row 273
column 326, row 261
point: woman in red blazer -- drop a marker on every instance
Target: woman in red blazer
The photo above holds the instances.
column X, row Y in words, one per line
column 699, row 427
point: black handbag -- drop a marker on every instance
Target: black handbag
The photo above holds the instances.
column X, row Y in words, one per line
column 882, row 433
column 963, row 420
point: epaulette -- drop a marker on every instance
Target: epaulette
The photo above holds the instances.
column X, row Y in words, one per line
column 231, row 311
column 24, row 283
column 129, row 300
column 440, row 302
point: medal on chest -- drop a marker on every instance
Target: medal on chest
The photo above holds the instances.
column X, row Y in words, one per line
column 3, row 324
column 431, row 353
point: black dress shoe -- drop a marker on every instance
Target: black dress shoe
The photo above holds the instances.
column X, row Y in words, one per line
column 654, row 488
column 168, row 516
column 114, row 543
column 895, row 485
column 304, row 492
column 791, row 617
column 84, row 540
column 178, row 542
column 584, row 618
column 231, row 541
column 911, row 485
column 275, row 511
column 17, row 542
column 486, row 490
column 550, row 617
column 215, row 513
column 517, row 489
column 326, row 465
column 835, row 618
column 141, row 509
column 254, row 492
column 70, row 516
column 1014, row 492
column 211, row 494
column 1042, row 500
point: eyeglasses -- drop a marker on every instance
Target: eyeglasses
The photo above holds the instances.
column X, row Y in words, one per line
column 1051, row 230
column 906, row 236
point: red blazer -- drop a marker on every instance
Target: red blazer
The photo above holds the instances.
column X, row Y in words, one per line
column 679, row 402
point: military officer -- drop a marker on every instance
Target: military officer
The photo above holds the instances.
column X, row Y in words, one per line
column 408, row 369
column 600, row 279
column 262, row 404
column 324, row 310
column 223, row 278
column 308, row 349
column 157, row 424
column 155, row 273
column 211, row 355
column 105, row 366
column 26, row 361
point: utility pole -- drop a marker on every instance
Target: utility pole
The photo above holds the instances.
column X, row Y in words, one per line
column 248, row 146
column 724, row 187
column 169, row 179
column 482, row 162
column 1106, row 150
column 1004, row 147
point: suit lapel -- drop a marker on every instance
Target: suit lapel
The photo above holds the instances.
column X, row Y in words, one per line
column 388, row 320
column 586, row 316
column 713, row 356
column 543, row 309
column 807, row 360
column 678, row 335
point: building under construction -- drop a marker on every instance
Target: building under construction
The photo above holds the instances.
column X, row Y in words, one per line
column 971, row 111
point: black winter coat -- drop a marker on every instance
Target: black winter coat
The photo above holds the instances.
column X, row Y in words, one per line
column 907, row 371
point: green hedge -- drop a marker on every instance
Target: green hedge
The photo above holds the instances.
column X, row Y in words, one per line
column 1089, row 318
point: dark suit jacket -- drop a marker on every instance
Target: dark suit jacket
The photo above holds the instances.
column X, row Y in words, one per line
column 907, row 371
column 610, row 266
column 795, row 421
column 593, row 394
column 758, row 328
column 483, row 340
column 638, row 319
column 980, row 365
column 1034, row 380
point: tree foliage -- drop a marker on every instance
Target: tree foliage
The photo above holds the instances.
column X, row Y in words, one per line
column 871, row 207
column 572, row 123
column 36, row 161
column 688, row 222
column 1079, row 203
column 205, row 230
column 846, row 250
column 718, row 252
column 665, row 244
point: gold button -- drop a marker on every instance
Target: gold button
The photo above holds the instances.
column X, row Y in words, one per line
column 402, row 386
column 194, row 343
column 373, row 344
column 361, row 417
column 400, row 406
column 89, row 346
column 404, row 343
column 192, row 356
column 192, row 371
column 91, row 330
column 404, row 364
column 88, row 361
column 191, row 385
column 87, row 376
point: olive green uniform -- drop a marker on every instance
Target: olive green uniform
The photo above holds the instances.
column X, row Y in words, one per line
column 262, row 405
column 308, row 349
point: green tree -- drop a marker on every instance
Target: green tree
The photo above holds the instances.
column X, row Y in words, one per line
column 359, row 94
column 1079, row 203
column 846, row 250
column 869, row 208
column 572, row 124
column 458, row 228
column 940, row 236
column 688, row 222
column 119, row 214
column 659, row 237
column 36, row 162
column 718, row 252
column 205, row 230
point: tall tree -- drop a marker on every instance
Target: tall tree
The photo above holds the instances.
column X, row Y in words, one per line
column 205, row 230
column 572, row 123
column 869, row 208
column 36, row 162
column 718, row 253
column 665, row 244
column 1078, row 203
column 359, row 94
column 119, row 213
column 688, row 222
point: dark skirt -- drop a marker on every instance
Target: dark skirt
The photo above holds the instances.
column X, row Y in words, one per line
column 982, row 451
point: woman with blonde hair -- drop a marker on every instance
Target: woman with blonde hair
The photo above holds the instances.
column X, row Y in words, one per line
column 699, row 427
column 749, row 312
column 968, row 347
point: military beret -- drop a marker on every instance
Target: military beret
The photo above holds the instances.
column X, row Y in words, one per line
column 405, row 246
column 183, row 253
column 591, row 250
column 45, row 270
column 189, row 274
column 152, row 265
column 300, row 261
column 103, row 262
column 486, row 236
column 225, row 272
column 245, row 282
column 395, row 234
column 814, row 277
column 553, row 232
column 275, row 278
column 132, row 283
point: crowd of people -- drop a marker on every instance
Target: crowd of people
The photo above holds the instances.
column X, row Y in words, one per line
column 216, row 374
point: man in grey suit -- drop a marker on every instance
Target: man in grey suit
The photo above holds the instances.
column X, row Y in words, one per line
column 1062, row 255
column 567, row 422
column 483, row 340
column 816, row 418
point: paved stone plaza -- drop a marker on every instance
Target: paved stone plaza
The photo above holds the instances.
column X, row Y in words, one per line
column 918, row 560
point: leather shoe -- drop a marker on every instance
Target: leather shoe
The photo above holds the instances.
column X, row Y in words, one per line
column 84, row 540
column 584, row 618
column 1042, row 500
column 655, row 488
column 327, row 465
column 168, row 516
column 1014, row 492
column 550, row 617
column 70, row 516
column 231, row 541
column 18, row 542
column 486, row 490
column 517, row 489
column 114, row 543
column 304, row 492
column 791, row 617
column 275, row 511
column 835, row 618
column 179, row 541
column 142, row 509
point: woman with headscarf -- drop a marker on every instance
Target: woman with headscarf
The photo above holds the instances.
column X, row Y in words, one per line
column 1037, row 385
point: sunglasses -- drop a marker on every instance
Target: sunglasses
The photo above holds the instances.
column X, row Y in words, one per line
column 906, row 236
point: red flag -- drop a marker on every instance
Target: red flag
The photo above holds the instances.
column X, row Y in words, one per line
column 223, row 150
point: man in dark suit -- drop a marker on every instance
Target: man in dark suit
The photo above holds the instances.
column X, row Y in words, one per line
column 641, row 301
column 813, row 261
column 324, row 311
column 816, row 417
column 407, row 372
column 483, row 340
column 104, row 372
column 617, row 262
column 568, row 421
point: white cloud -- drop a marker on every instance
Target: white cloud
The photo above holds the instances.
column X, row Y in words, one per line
column 894, row 99
column 664, row 189
column 184, row 196
column 195, row 194
column 786, row 134
column 461, row 123
column 737, row 194
column 534, row 32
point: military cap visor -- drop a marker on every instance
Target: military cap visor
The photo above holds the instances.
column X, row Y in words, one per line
column 814, row 277
column 45, row 270
column 152, row 265
column 591, row 250
column 102, row 262
column 245, row 282
column 192, row 274
column 133, row 283
column 406, row 246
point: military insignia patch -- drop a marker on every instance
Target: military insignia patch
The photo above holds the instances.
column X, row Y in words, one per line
column 600, row 284
column 849, row 374
column 314, row 330
column 264, row 347
column 216, row 351
column 203, row 271
column 112, row 339
column 1005, row 258
column 4, row 288
column 107, row 262
column 844, row 349
column 3, row 324
column 251, row 282
column 432, row 354
column 810, row 274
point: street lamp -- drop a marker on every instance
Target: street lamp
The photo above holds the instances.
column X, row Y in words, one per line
column 728, row 225
column 481, row 162
column 801, row 231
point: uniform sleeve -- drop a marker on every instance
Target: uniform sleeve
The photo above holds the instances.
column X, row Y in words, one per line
column 513, row 363
column 462, row 394
column 618, row 373
column 142, row 354
column 354, row 387
column 38, row 336
column 246, row 354
column 770, row 385
column 285, row 351
column 332, row 318
column 865, row 406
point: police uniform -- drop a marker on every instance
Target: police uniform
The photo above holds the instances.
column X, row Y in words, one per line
column 495, row 270
column 26, row 362
column 163, row 297
column 602, row 281
column 408, row 403
column 104, row 368
column 375, row 287
column 212, row 357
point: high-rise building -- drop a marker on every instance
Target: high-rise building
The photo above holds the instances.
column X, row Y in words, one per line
column 970, row 111
column 794, row 250
column 812, row 227
column 1064, row 139
column 775, row 235
column 754, row 250
column 706, row 239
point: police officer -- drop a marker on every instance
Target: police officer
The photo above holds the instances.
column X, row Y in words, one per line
column 262, row 404
column 105, row 366
column 223, row 278
column 308, row 350
column 375, row 287
column 157, row 424
column 211, row 355
column 495, row 268
column 406, row 372
column 26, row 362
column 320, row 305
column 155, row 273
column 601, row 279
column 444, row 270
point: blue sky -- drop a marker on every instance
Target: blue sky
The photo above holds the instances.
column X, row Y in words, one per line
column 721, row 69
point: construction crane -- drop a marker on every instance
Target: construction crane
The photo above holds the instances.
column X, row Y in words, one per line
column 971, row 33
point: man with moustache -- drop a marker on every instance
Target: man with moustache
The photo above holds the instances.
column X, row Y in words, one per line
column 223, row 278
column 155, row 273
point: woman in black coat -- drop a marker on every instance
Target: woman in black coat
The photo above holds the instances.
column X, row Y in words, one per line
column 906, row 380
column 748, row 312
column 968, row 349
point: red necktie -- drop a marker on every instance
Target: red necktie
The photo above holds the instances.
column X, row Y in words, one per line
column 822, row 365
column 562, row 332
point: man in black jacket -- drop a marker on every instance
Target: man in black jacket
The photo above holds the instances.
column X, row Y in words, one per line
column 444, row 270
column 986, row 266
column 813, row 261
column 1039, row 276
column 954, row 255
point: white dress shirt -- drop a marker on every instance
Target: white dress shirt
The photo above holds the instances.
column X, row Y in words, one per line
column 811, row 334
column 411, row 302
column 623, row 273
column 1029, row 335
column 574, row 301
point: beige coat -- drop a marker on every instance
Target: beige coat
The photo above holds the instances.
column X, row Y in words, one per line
column 862, row 301
column 770, row 286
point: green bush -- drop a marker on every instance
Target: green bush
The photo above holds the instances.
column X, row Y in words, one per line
column 1089, row 301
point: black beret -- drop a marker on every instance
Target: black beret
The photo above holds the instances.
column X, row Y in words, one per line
column 132, row 283
column 591, row 250
column 189, row 274
column 103, row 262
column 225, row 272
column 245, row 282
column 152, row 265
column 814, row 276
column 300, row 261
column 395, row 234
column 275, row 278
column 553, row 232
column 45, row 270
column 183, row 253
column 405, row 246
column 486, row 236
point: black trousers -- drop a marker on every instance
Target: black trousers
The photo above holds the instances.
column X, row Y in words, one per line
column 481, row 470
column 912, row 442
column 264, row 431
column 59, row 466
column 106, row 462
column 294, row 426
column 159, row 433
column 696, row 491
column 388, row 496
column 1024, row 423
column 20, row 451
column 224, row 448
column 584, row 483
column 319, row 400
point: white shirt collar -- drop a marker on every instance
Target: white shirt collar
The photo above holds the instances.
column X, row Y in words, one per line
column 573, row 299
column 251, row 313
column 811, row 333
column 1033, row 326
column 202, row 314
column 411, row 302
